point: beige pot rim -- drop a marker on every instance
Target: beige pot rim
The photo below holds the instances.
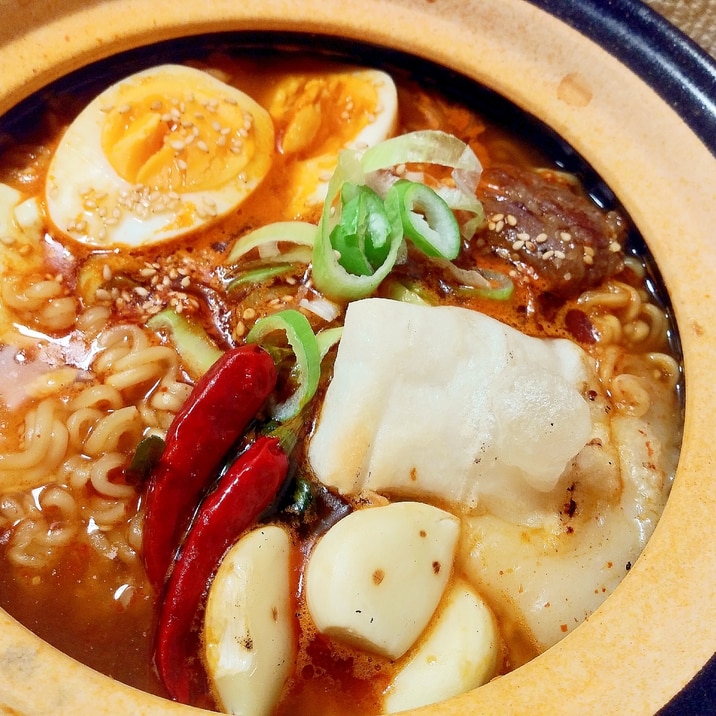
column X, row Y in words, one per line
column 652, row 635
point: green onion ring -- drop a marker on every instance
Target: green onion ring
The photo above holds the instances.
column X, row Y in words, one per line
column 302, row 340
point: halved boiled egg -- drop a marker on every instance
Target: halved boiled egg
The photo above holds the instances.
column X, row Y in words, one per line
column 156, row 155
column 317, row 115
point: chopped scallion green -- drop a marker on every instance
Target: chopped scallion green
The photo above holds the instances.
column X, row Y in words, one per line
column 302, row 340
column 198, row 352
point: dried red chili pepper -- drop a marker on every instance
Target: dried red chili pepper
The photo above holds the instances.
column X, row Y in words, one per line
column 246, row 489
column 212, row 419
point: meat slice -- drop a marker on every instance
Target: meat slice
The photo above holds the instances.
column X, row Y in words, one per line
column 543, row 219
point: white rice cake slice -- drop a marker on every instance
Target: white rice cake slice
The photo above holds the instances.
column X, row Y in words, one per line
column 445, row 402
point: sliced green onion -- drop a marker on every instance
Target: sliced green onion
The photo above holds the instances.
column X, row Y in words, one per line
column 302, row 340
column 301, row 499
column 426, row 147
column 259, row 275
column 198, row 352
column 499, row 287
column 409, row 293
column 267, row 237
column 425, row 217
column 458, row 200
column 327, row 338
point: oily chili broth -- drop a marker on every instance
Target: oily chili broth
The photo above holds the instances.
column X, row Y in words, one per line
column 77, row 605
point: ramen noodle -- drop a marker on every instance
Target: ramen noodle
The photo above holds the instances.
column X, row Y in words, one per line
column 146, row 205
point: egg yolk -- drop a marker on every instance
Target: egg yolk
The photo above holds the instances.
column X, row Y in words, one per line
column 318, row 115
column 175, row 139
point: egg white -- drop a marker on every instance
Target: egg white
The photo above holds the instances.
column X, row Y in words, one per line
column 349, row 109
column 205, row 145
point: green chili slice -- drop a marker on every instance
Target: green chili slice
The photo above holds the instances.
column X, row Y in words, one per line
column 425, row 217
column 330, row 276
column 343, row 266
column 362, row 236
column 304, row 345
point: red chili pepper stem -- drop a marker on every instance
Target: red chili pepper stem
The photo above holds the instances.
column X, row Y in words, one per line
column 243, row 493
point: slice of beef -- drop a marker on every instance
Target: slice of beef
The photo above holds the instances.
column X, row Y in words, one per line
column 543, row 219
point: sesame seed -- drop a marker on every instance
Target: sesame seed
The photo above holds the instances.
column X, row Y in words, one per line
column 141, row 291
column 518, row 245
column 523, row 236
column 547, row 255
column 248, row 314
column 497, row 217
column 540, row 238
column 614, row 247
column 565, row 236
column 511, row 220
column 588, row 260
column 185, row 282
column 559, row 255
column 499, row 225
column 106, row 272
column 202, row 146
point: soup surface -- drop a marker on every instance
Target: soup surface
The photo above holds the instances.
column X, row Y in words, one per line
column 129, row 268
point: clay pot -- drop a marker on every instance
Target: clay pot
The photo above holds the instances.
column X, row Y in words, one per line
column 656, row 631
